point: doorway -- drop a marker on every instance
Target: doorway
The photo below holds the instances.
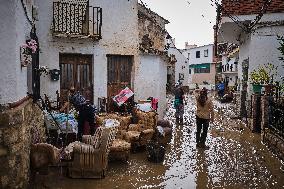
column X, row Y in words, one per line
column 119, row 76
column 76, row 70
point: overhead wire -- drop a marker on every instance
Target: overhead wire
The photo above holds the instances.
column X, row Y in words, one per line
column 26, row 14
column 244, row 27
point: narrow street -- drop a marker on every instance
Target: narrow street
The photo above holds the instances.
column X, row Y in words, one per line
column 236, row 159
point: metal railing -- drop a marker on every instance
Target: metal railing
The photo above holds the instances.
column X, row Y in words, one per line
column 276, row 117
column 276, row 111
column 73, row 19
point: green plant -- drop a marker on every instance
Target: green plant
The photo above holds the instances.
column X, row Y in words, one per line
column 264, row 74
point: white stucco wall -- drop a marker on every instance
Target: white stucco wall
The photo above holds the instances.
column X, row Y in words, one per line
column 181, row 66
column 202, row 59
column 151, row 80
column 243, row 54
column 263, row 48
column 200, row 77
column 14, row 32
column 119, row 36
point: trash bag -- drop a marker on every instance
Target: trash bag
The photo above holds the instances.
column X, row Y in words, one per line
column 155, row 152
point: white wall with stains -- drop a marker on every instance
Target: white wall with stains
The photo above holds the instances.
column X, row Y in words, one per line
column 119, row 36
column 263, row 48
column 151, row 80
column 260, row 48
column 181, row 66
column 15, row 30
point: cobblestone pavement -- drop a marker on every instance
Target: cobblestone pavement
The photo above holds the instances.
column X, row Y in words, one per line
column 236, row 158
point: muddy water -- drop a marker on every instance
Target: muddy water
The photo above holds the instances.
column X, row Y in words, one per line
column 235, row 159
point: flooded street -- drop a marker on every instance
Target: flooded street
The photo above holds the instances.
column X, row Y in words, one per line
column 236, row 158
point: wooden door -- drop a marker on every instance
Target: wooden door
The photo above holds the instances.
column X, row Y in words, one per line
column 119, row 76
column 76, row 70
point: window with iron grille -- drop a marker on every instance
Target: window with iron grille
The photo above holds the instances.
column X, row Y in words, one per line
column 76, row 18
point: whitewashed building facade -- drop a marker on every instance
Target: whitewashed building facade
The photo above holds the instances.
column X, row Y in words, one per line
column 255, row 32
column 201, row 66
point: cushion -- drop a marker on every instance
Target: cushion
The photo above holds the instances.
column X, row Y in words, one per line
column 120, row 145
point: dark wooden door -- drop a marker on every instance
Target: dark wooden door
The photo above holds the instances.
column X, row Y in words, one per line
column 76, row 70
column 119, row 76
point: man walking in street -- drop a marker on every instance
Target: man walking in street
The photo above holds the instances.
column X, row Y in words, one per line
column 204, row 115
column 178, row 103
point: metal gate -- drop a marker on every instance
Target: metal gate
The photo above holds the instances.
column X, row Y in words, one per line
column 76, row 70
column 276, row 115
column 119, row 76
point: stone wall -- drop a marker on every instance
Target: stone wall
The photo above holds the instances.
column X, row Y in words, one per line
column 152, row 31
column 19, row 127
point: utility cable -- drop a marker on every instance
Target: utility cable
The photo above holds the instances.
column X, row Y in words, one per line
column 26, row 14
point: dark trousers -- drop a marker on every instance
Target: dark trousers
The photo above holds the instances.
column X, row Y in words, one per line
column 202, row 124
column 86, row 114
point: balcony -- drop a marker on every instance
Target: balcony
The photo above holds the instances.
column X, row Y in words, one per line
column 77, row 20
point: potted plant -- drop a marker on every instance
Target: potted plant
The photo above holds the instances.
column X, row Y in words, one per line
column 256, row 81
column 271, row 73
column 264, row 76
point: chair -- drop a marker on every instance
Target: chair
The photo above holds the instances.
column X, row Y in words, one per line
column 138, row 135
column 90, row 158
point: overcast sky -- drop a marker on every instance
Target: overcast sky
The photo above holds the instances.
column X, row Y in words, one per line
column 189, row 19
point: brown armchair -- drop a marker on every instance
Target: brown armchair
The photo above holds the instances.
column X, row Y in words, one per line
column 138, row 135
column 90, row 158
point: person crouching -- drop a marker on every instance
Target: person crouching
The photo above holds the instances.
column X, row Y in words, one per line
column 85, row 109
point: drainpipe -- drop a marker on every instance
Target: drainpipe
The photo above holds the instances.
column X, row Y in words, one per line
column 35, row 67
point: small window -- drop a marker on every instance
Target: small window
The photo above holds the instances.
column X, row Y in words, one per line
column 197, row 54
column 188, row 55
column 206, row 53
column 189, row 71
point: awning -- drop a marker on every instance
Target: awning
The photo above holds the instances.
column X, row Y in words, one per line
column 205, row 65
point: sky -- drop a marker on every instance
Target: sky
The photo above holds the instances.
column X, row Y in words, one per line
column 191, row 21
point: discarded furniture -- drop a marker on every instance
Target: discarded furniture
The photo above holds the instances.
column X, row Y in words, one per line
column 138, row 135
column 119, row 150
column 164, row 132
column 91, row 157
column 42, row 155
column 155, row 152
column 124, row 120
column 148, row 119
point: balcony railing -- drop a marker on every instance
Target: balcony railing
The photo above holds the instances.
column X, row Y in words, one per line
column 76, row 20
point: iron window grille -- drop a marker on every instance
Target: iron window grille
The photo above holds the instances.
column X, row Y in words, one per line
column 71, row 19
